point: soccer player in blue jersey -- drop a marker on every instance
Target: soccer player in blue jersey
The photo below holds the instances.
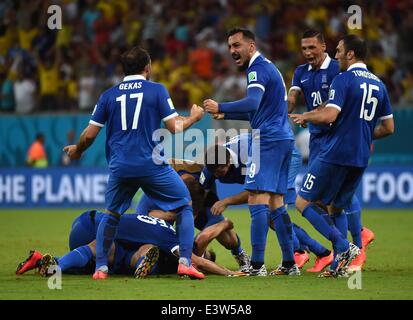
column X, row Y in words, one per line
column 211, row 226
column 140, row 241
column 313, row 80
column 266, row 108
column 133, row 112
column 233, row 172
column 357, row 101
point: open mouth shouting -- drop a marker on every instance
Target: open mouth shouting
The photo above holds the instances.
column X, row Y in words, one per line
column 311, row 60
column 237, row 58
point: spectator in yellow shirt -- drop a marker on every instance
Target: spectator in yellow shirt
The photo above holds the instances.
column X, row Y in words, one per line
column 49, row 79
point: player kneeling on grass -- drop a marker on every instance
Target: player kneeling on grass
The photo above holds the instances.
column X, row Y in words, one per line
column 144, row 245
column 211, row 226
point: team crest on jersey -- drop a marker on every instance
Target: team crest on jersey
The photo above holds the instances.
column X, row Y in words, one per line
column 252, row 76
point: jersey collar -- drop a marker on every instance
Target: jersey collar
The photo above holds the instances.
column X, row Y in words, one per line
column 255, row 56
column 324, row 65
column 134, row 77
column 357, row 65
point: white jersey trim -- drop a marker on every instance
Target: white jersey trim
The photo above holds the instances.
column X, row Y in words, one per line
column 257, row 85
column 332, row 105
column 255, row 56
column 173, row 115
column 134, row 77
column 97, row 124
column 295, row 88
column 174, row 249
column 325, row 63
column 386, row 117
column 357, row 65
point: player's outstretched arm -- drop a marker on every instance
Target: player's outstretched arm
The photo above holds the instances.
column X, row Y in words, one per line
column 207, row 266
column 250, row 103
column 85, row 141
column 180, row 123
column 218, row 116
column 242, row 116
column 292, row 98
column 210, row 233
column 384, row 129
column 220, row 206
column 325, row 116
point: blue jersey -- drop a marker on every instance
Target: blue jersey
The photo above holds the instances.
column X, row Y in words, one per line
column 270, row 116
column 239, row 150
column 315, row 84
column 141, row 229
column 362, row 99
column 132, row 112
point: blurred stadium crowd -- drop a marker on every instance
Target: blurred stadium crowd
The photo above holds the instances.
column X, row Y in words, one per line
column 67, row 69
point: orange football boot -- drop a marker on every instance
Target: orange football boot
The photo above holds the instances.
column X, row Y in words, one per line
column 321, row 263
column 100, row 275
column 191, row 272
column 32, row 262
column 301, row 259
column 367, row 237
column 358, row 262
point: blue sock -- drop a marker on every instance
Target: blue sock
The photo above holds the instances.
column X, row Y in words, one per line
column 340, row 221
column 283, row 229
column 237, row 250
column 334, row 264
column 259, row 230
column 185, row 230
column 296, row 241
column 104, row 238
column 353, row 213
column 323, row 224
column 77, row 258
column 313, row 245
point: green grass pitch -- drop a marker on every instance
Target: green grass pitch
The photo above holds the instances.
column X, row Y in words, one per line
column 388, row 271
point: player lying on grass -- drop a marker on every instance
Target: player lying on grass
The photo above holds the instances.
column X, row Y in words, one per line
column 232, row 171
column 211, row 226
column 144, row 245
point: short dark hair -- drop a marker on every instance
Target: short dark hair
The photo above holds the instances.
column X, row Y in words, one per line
column 311, row 33
column 245, row 33
column 219, row 155
column 135, row 60
column 357, row 44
